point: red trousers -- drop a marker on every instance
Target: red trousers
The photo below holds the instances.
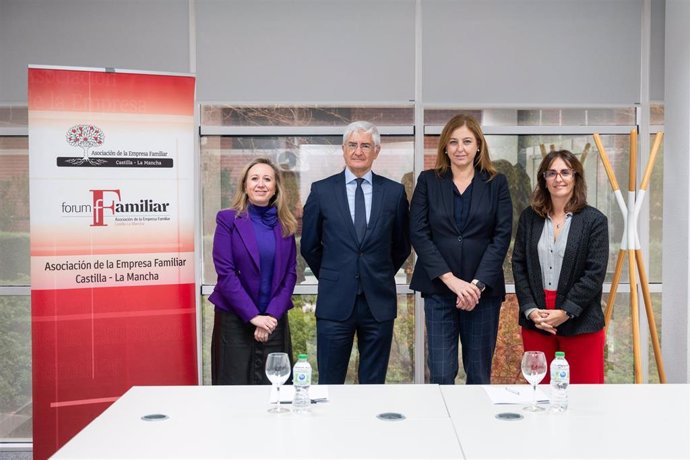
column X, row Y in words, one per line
column 584, row 352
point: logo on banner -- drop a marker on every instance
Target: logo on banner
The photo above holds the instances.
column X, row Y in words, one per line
column 105, row 200
column 107, row 203
column 85, row 137
column 88, row 136
column 99, row 207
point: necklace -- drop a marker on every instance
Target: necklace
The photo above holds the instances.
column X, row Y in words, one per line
column 558, row 224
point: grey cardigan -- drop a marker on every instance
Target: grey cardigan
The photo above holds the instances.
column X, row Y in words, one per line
column 582, row 275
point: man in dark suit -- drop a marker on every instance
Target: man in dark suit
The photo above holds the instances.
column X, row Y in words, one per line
column 355, row 239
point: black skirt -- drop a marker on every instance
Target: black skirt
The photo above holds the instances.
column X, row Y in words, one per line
column 236, row 357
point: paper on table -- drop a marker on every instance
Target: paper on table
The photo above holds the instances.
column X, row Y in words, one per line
column 514, row 394
column 317, row 393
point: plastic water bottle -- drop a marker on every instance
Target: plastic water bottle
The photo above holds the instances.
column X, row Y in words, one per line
column 301, row 379
column 560, row 379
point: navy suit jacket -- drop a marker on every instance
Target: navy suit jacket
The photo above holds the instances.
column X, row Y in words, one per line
column 330, row 246
column 475, row 251
column 581, row 281
column 236, row 258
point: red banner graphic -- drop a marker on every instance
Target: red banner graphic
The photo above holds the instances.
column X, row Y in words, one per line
column 113, row 298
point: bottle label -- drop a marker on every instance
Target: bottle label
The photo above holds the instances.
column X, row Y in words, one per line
column 302, row 378
column 560, row 376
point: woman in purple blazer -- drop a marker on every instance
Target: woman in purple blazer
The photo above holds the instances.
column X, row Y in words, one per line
column 255, row 258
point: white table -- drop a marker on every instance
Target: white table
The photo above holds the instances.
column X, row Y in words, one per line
column 233, row 422
column 602, row 421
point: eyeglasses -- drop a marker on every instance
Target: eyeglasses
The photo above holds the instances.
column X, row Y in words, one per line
column 565, row 174
column 365, row 146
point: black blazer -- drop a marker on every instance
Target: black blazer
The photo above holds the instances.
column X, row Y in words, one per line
column 475, row 251
column 330, row 246
column 582, row 274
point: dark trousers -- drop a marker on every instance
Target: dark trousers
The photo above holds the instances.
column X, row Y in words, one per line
column 334, row 346
column 236, row 357
column 477, row 330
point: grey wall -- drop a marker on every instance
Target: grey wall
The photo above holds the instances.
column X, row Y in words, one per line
column 532, row 51
column 306, row 50
column 474, row 52
column 658, row 44
column 127, row 34
column 676, row 249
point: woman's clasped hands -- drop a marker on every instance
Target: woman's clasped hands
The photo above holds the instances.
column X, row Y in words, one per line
column 468, row 294
column 265, row 325
column 548, row 320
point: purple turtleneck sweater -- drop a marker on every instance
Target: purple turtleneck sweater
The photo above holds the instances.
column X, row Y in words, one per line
column 265, row 219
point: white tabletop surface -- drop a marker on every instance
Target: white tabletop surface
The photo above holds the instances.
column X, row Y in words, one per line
column 602, row 421
column 233, row 422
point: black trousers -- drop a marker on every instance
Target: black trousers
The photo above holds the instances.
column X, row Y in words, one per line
column 335, row 340
column 236, row 357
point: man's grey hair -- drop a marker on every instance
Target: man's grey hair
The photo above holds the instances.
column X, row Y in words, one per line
column 365, row 126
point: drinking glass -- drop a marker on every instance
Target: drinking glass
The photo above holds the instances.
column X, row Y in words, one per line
column 277, row 371
column 534, row 369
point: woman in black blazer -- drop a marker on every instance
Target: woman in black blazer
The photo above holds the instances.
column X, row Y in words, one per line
column 460, row 224
column 559, row 264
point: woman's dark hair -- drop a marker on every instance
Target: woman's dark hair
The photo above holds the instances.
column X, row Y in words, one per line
column 541, row 198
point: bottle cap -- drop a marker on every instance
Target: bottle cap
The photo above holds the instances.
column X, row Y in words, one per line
column 560, row 354
column 302, row 356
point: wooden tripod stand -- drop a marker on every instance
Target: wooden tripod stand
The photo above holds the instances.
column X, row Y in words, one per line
column 630, row 245
column 583, row 155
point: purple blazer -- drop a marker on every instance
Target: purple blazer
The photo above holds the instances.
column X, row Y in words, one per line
column 236, row 258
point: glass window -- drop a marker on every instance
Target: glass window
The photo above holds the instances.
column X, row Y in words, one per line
column 14, row 211
column 624, row 116
column 655, row 199
column 15, row 308
column 656, row 114
column 15, row 369
column 577, row 117
column 653, row 373
column 14, row 116
column 619, row 341
column 291, row 116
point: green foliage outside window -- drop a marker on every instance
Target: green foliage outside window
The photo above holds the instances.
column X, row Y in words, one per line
column 15, row 367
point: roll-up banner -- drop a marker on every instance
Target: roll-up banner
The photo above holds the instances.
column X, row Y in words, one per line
column 111, row 155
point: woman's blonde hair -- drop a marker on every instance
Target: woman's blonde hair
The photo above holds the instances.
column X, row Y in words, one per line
column 279, row 200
